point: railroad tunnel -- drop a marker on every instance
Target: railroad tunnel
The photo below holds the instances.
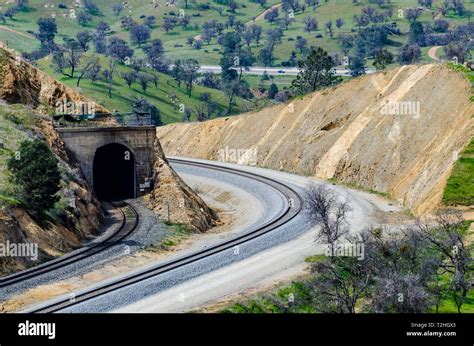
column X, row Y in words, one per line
column 114, row 172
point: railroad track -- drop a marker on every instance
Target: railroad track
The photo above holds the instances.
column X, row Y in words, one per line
column 293, row 208
column 130, row 220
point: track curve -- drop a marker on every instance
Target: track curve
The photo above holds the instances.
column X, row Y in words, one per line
column 293, row 207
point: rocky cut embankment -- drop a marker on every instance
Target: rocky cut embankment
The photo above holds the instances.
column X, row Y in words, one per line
column 398, row 132
column 80, row 214
column 22, row 83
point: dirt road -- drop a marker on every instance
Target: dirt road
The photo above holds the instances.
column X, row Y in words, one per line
column 432, row 53
column 16, row 32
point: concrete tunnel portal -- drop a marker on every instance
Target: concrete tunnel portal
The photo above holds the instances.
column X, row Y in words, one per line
column 117, row 162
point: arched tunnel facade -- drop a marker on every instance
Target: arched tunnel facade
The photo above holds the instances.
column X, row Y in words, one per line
column 117, row 162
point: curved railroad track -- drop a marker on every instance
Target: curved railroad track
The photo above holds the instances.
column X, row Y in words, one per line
column 292, row 209
column 129, row 223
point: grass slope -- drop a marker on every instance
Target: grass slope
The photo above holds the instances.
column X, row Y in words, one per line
column 123, row 96
column 460, row 187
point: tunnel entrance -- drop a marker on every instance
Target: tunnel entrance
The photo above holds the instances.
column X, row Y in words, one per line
column 114, row 172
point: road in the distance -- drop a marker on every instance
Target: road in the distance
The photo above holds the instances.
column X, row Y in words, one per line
column 274, row 71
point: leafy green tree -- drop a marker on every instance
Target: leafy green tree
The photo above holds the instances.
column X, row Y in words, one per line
column 190, row 68
column 357, row 64
column 272, row 91
column 382, row 59
column 35, row 172
column 47, row 31
column 409, row 54
column 317, row 72
column 416, row 34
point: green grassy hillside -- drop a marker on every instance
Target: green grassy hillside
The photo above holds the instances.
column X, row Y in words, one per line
column 175, row 40
column 16, row 122
column 123, row 96
column 18, row 33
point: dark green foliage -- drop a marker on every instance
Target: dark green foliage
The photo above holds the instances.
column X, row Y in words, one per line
column 417, row 34
column 272, row 91
column 47, row 31
column 357, row 65
column 382, row 59
column 316, row 72
column 35, row 173
column 409, row 54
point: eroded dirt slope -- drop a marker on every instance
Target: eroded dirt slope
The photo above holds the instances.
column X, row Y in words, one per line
column 22, row 83
column 170, row 191
column 344, row 133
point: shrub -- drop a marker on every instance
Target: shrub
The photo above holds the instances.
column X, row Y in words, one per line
column 35, row 172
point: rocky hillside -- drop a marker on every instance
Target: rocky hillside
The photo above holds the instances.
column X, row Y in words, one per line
column 397, row 132
column 75, row 218
column 170, row 191
column 22, row 83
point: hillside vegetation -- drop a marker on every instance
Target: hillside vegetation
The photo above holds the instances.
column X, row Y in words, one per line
column 74, row 217
column 247, row 12
column 248, row 33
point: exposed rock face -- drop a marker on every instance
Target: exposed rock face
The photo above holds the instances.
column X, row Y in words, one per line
column 23, row 83
column 185, row 206
column 347, row 134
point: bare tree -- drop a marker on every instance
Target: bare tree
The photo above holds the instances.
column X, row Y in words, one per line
column 400, row 293
column 144, row 79
column 187, row 114
column 87, row 66
column 129, row 77
column 68, row 57
column 190, row 67
column 340, row 283
column 155, row 79
column 325, row 210
column 94, row 73
column 108, row 75
column 201, row 113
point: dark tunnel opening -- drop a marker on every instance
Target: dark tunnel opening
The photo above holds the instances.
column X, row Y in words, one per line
column 114, row 173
